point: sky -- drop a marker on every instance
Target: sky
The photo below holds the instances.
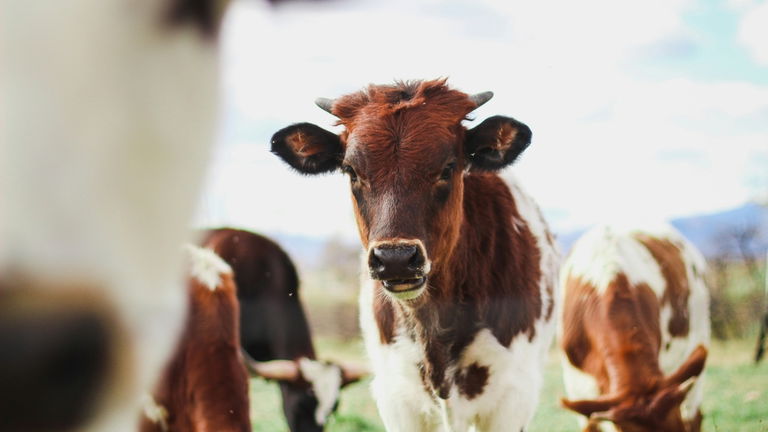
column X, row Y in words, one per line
column 639, row 110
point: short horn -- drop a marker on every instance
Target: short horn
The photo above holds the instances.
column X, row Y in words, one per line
column 325, row 103
column 480, row 98
column 278, row 370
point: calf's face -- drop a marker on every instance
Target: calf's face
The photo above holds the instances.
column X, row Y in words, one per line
column 656, row 411
column 405, row 152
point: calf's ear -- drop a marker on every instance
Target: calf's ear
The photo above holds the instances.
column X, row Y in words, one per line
column 691, row 367
column 588, row 407
column 308, row 148
column 496, row 143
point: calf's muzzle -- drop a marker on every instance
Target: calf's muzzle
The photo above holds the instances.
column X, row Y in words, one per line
column 398, row 265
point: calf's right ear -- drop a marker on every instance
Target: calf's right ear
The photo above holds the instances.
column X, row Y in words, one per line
column 308, row 148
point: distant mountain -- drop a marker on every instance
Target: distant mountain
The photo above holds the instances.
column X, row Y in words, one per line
column 718, row 235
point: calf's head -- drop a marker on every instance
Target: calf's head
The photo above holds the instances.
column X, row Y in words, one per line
column 319, row 384
column 406, row 152
column 655, row 411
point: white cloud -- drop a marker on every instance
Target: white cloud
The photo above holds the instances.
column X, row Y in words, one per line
column 753, row 32
column 741, row 5
column 249, row 187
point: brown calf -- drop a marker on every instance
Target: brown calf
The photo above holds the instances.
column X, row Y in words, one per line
column 204, row 388
column 635, row 324
column 456, row 308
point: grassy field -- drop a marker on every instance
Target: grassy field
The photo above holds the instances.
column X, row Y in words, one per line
column 736, row 395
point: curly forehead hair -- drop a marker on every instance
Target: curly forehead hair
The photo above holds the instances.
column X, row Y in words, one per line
column 444, row 103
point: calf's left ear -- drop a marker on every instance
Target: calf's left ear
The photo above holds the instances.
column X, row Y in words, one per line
column 588, row 407
column 308, row 148
column 691, row 368
column 496, row 143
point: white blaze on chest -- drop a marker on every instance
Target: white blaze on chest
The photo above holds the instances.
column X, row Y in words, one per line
column 509, row 395
column 326, row 383
column 513, row 386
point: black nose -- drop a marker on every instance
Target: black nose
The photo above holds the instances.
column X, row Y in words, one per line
column 52, row 367
column 398, row 261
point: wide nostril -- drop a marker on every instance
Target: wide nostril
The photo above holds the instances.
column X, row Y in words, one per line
column 416, row 262
column 374, row 262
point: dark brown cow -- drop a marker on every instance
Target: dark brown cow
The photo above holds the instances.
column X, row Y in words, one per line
column 205, row 385
column 457, row 308
column 634, row 328
column 273, row 326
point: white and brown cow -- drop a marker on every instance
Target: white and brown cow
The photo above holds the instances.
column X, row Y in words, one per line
column 458, row 298
column 108, row 112
column 107, row 116
column 635, row 326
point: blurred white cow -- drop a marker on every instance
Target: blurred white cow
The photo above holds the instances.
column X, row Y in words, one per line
column 107, row 112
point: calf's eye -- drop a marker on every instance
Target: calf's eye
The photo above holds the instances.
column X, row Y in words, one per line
column 447, row 172
column 348, row 170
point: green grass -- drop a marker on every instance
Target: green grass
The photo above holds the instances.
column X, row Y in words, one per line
column 357, row 412
column 736, row 391
column 736, row 395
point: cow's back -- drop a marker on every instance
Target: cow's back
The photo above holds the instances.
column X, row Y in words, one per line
column 272, row 321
